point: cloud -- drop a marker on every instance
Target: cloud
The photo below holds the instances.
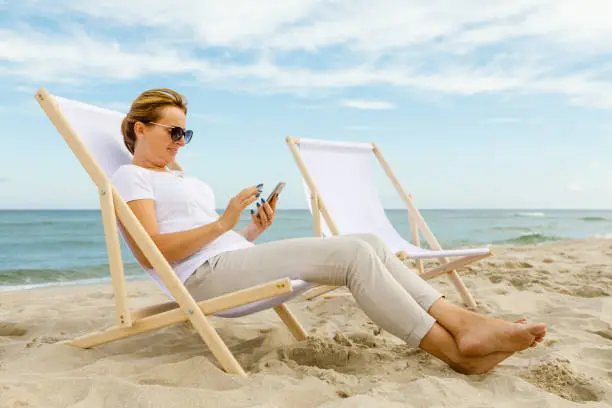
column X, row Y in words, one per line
column 391, row 25
column 118, row 106
column 26, row 89
column 4, row 179
column 75, row 58
column 595, row 164
column 303, row 47
column 575, row 187
column 364, row 104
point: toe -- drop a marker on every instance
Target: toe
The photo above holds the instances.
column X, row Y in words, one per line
column 538, row 330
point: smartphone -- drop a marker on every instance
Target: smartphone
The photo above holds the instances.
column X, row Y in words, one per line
column 277, row 190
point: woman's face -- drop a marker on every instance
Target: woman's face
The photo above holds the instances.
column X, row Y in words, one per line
column 159, row 148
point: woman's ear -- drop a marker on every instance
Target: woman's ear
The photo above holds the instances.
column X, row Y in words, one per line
column 139, row 128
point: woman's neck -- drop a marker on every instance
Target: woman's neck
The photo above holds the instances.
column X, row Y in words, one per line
column 147, row 164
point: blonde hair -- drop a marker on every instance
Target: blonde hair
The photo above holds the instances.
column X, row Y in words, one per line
column 146, row 108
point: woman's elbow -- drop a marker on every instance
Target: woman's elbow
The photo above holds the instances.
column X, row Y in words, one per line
column 143, row 261
column 166, row 253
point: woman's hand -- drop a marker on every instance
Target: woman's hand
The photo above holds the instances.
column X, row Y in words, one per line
column 237, row 205
column 264, row 217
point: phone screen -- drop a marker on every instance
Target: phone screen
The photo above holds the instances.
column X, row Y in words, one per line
column 279, row 187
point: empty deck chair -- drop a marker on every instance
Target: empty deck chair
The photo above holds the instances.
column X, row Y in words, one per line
column 339, row 185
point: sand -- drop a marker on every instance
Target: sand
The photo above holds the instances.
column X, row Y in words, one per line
column 346, row 362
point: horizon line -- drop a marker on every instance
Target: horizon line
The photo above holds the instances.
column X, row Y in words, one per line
column 386, row 208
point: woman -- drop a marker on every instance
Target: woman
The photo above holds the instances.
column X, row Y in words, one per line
column 178, row 212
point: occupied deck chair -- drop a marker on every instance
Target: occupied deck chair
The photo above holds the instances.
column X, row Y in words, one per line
column 93, row 134
column 339, row 184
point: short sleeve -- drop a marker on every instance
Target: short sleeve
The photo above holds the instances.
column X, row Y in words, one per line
column 132, row 183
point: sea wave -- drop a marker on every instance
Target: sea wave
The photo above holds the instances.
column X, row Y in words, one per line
column 530, row 238
column 528, row 214
column 514, row 229
column 595, row 219
column 7, row 224
column 19, row 277
column 93, row 281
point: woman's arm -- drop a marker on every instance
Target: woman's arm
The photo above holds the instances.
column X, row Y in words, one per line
column 175, row 246
column 250, row 233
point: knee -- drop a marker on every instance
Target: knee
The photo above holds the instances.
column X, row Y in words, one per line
column 352, row 255
column 375, row 241
column 351, row 249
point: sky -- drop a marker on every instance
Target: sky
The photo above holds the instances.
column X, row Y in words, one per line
column 474, row 103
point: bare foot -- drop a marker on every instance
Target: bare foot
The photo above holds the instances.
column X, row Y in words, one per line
column 440, row 343
column 537, row 339
column 488, row 336
column 479, row 365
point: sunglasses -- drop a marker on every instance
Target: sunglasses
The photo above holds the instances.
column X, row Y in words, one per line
column 176, row 132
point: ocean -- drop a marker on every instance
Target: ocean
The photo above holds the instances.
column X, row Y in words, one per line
column 66, row 247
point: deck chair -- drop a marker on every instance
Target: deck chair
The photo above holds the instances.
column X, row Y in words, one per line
column 93, row 134
column 339, row 184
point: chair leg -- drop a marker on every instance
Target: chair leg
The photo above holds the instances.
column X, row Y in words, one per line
column 215, row 344
column 451, row 266
column 450, row 269
column 291, row 322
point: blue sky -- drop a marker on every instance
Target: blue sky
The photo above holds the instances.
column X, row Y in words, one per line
column 475, row 104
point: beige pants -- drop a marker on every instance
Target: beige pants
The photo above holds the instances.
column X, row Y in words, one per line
column 392, row 295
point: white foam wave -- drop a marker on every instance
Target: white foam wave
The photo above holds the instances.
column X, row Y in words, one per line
column 529, row 214
column 603, row 236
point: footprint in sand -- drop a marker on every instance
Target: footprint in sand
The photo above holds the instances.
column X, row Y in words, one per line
column 338, row 354
column 520, row 282
column 496, row 278
column 589, row 291
column 606, row 334
column 557, row 377
column 12, row 330
column 364, row 339
column 510, row 265
column 39, row 341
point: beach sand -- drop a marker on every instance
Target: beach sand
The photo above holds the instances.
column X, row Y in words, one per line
column 347, row 361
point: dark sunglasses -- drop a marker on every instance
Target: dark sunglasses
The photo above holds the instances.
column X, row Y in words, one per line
column 176, row 132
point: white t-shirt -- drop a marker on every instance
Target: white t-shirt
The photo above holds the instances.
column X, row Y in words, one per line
column 181, row 203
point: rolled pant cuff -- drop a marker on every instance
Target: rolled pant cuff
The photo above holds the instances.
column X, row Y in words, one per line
column 420, row 330
column 427, row 301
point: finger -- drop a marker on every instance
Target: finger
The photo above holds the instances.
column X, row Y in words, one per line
column 250, row 192
column 268, row 209
column 262, row 214
column 254, row 192
column 255, row 219
column 249, row 201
